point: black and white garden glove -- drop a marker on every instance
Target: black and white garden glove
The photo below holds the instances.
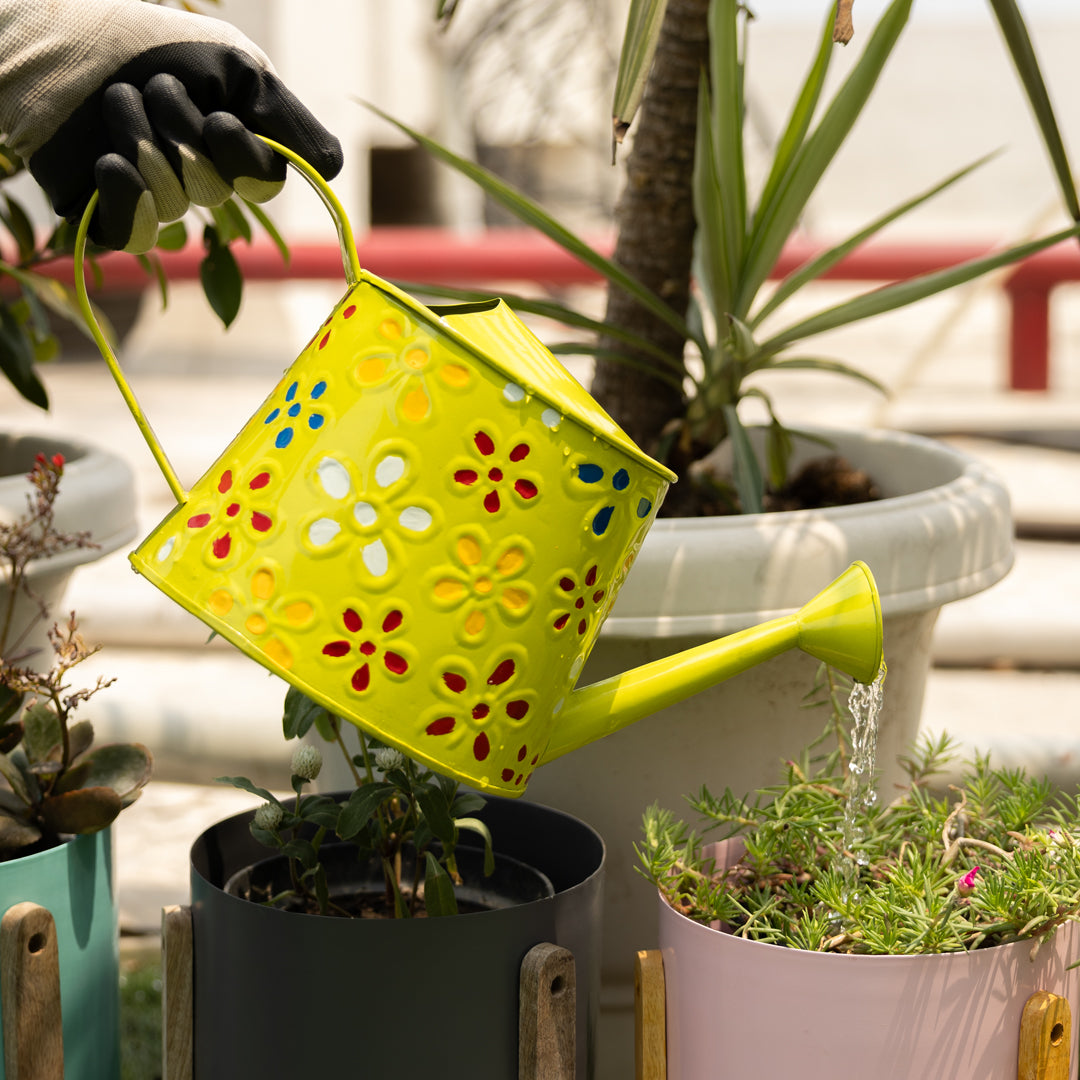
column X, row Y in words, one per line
column 152, row 106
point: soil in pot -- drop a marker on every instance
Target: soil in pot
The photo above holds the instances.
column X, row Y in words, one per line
column 821, row 482
column 357, row 891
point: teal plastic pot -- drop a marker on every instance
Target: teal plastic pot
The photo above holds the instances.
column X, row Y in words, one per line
column 76, row 882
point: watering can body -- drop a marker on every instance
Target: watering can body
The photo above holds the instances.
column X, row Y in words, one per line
column 411, row 534
column 424, row 527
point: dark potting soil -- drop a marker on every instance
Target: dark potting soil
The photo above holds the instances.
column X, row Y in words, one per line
column 827, row 481
column 365, row 905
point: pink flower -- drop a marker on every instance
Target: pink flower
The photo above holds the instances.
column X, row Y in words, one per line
column 966, row 885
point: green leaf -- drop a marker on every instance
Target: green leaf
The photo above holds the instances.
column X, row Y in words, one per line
column 361, row 807
column 468, row 802
column 124, row 767
column 260, row 215
column 1022, row 51
column 86, row 810
column 20, row 227
column 802, row 114
column 824, row 262
column 727, row 109
column 41, row 731
column 643, row 24
column 17, row 359
column 471, row 824
column 714, row 269
column 172, row 237
column 746, row 472
column 821, row 363
column 321, row 811
column 774, row 223
column 436, row 811
column 549, row 309
column 439, row 896
column 303, row 851
column 152, row 265
column 231, row 223
column 529, row 212
column 300, row 714
column 902, row 293
column 220, row 277
column 244, row 784
column 778, row 449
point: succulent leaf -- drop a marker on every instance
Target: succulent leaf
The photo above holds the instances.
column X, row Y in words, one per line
column 80, row 738
column 16, row 832
column 41, row 731
column 123, row 767
column 86, row 810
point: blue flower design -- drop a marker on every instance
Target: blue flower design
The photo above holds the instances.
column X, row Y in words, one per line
column 589, row 473
column 292, row 409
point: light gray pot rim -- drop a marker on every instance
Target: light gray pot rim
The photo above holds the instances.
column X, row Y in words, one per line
column 942, row 531
column 97, row 494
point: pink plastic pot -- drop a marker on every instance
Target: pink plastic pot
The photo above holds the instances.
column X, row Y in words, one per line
column 742, row 1008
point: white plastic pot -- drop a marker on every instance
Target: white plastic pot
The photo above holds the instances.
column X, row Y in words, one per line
column 97, row 495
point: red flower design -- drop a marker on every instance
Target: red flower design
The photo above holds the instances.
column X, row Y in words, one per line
column 481, row 706
column 229, row 509
column 493, row 473
column 368, row 647
column 587, row 594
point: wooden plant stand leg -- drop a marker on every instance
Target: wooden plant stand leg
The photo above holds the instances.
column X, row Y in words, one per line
column 650, row 1017
column 30, row 990
column 176, row 990
column 1045, row 1038
column 547, row 1016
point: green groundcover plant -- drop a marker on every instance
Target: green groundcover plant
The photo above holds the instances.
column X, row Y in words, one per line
column 991, row 860
column 396, row 805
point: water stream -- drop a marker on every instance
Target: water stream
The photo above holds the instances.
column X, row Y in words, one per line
column 864, row 704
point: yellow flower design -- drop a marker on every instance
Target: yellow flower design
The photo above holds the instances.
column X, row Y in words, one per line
column 482, row 581
column 258, row 615
column 402, row 361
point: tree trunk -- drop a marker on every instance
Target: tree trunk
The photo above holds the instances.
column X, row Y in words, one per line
column 656, row 225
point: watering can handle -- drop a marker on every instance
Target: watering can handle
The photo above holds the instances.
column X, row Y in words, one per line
column 349, row 260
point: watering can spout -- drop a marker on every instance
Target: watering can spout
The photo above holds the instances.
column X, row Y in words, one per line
column 840, row 626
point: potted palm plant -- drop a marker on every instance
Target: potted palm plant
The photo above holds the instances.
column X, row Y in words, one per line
column 692, row 333
column 902, row 938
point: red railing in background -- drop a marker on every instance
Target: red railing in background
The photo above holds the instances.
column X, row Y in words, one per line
column 506, row 255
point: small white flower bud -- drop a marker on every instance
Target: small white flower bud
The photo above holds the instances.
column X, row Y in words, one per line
column 387, row 758
column 307, row 762
column 268, row 816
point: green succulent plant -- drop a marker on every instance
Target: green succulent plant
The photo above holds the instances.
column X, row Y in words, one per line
column 58, row 782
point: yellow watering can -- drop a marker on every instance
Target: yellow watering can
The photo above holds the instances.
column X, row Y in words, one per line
column 426, row 524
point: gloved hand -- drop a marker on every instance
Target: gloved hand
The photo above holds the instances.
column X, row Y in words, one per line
column 152, row 106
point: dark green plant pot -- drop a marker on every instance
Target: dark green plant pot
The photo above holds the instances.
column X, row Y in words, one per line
column 282, row 994
column 75, row 882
